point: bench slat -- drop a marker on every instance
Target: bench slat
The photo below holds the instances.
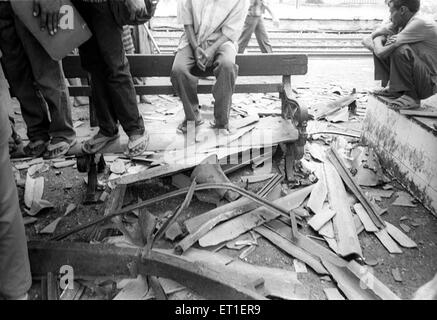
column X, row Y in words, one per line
column 76, row 91
column 160, row 65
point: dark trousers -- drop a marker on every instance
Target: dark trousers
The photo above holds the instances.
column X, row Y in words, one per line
column 185, row 83
column 15, row 277
column 406, row 72
column 36, row 80
column 104, row 58
column 251, row 25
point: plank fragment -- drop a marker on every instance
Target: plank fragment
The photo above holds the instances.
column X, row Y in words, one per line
column 333, row 294
column 233, row 228
column 387, row 241
column 344, row 226
column 369, row 226
column 372, row 282
column 400, row 237
column 348, row 283
column 290, row 248
column 321, row 218
column 319, row 194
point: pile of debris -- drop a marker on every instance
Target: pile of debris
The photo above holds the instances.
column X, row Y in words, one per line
column 334, row 192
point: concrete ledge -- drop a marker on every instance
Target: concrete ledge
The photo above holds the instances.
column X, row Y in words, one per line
column 407, row 149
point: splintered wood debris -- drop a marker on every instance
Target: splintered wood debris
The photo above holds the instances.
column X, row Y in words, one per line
column 336, row 197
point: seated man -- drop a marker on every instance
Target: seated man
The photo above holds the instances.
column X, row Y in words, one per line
column 38, row 82
column 405, row 55
column 210, row 40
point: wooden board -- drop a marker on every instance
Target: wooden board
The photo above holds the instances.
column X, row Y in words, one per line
column 291, row 249
column 368, row 224
column 321, row 218
column 380, row 289
column 387, row 241
column 348, row 283
column 278, row 283
column 151, row 65
column 344, row 226
column 307, row 244
column 319, row 194
column 399, row 236
column 102, row 260
column 419, row 113
column 333, row 294
column 237, row 226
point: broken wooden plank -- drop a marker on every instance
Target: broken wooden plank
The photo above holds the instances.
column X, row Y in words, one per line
column 333, row 294
column 365, row 219
column 387, row 241
column 177, row 213
column 306, row 244
column 404, row 199
column 157, row 288
column 371, row 281
column 321, row 218
column 100, row 260
column 278, row 283
column 290, row 248
column 33, row 191
column 134, row 289
column 419, row 113
column 256, row 178
column 238, row 207
column 346, row 176
column 319, row 194
column 344, row 226
column 400, row 237
column 233, row 228
column 348, row 283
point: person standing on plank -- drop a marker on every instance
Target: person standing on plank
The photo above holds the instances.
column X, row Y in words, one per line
column 405, row 54
column 103, row 56
column 255, row 24
column 209, row 42
column 15, row 276
column 38, row 82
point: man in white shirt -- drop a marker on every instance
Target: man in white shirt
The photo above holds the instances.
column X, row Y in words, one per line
column 405, row 55
column 212, row 29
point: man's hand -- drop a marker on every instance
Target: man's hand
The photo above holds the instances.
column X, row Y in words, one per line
column 368, row 43
column 135, row 6
column 48, row 12
column 199, row 55
column 391, row 40
column 207, row 56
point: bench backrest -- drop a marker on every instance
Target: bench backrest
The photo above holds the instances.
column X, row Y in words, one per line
column 160, row 65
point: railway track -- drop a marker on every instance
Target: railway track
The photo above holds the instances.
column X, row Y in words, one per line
column 322, row 45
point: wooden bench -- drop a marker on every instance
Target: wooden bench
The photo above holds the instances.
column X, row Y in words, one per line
column 158, row 67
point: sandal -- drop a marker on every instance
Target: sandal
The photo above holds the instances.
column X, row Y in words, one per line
column 183, row 126
column 36, row 148
column 227, row 127
column 405, row 103
column 137, row 145
column 385, row 92
column 97, row 143
column 58, row 150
